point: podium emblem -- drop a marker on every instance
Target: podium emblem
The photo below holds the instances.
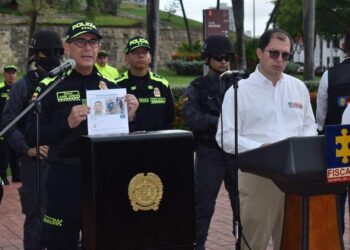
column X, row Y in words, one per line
column 338, row 153
column 145, row 191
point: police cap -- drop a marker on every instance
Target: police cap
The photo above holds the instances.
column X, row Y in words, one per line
column 137, row 42
column 81, row 27
column 10, row 68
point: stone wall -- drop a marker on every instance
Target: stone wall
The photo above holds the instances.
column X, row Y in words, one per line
column 14, row 43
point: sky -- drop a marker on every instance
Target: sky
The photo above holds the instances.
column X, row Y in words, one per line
column 263, row 8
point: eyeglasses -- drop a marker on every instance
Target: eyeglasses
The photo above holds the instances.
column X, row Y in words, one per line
column 275, row 54
column 219, row 58
column 81, row 42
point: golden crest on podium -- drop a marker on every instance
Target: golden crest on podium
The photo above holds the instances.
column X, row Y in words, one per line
column 145, row 191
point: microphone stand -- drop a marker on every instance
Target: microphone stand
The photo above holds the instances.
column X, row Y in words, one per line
column 37, row 105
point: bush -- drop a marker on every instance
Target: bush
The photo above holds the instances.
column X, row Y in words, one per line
column 184, row 53
column 179, row 98
column 292, row 68
column 182, row 67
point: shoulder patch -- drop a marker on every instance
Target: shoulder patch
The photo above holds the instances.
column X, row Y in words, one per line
column 122, row 77
column 159, row 78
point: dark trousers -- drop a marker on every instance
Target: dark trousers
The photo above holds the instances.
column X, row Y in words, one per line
column 62, row 221
column 1, row 192
column 28, row 195
column 8, row 156
column 212, row 166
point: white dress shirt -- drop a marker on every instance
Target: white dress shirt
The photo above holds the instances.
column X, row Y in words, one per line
column 266, row 113
column 345, row 120
column 322, row 101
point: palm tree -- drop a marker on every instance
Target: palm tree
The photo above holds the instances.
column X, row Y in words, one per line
column 309, row 38
column 153, row 29
column 238, row 13
column 187, row 26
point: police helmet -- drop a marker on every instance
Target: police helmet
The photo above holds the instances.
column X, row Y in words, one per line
column 47, row 41
column 216, row 44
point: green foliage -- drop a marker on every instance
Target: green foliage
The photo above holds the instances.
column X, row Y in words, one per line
column 250, row 51
column 184, row 53
column 92, row 9
column 292, row 68
column 171, row 8
column 332, row 17
column 179, row 98
column 290, row 17
column 182, row 67
column 174, row 79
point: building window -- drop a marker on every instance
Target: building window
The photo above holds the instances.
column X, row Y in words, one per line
column 328, row 43
column 328, row 60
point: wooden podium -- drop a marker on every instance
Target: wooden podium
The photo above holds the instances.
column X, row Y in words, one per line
column 138, row 191
column 298, row 167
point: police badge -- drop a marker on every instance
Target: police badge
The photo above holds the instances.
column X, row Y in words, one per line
column 145, row 191
column 156, row 92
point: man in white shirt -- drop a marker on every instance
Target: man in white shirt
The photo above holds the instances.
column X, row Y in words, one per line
column 332, row 97
column 271, row 106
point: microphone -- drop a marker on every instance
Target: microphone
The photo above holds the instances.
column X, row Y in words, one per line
column 63, row 68
column 238, row 74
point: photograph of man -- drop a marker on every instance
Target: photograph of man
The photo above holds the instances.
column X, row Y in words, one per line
column 98, row 108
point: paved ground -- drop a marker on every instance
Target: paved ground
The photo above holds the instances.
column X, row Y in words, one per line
column 220, row 238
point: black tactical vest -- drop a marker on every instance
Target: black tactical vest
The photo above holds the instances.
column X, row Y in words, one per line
column 338, row 92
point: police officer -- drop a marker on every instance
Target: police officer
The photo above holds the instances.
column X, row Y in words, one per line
column 156, row 110
column 63, row 121
column 201, row 112
column 332, row 98
column 7, row 154
column 104, row 68
column 45, row 52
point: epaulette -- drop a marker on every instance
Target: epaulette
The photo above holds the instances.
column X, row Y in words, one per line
column 2, row 85
column 122, row 77
column 159, row 78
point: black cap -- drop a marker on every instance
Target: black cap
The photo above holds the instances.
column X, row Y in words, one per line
column 102, row 53
column 9, row 68
column 137, row 42
column 81, row 27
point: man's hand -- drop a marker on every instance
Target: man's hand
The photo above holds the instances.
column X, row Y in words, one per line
column 44, row 151
column 133, row 104
column 77, row 115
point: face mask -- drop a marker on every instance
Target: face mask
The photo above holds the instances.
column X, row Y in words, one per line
column 47, row 63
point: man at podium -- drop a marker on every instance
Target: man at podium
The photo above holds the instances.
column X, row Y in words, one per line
column 271, row 106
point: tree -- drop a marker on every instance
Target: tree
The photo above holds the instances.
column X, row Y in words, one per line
column 32, row 9
column 309, row 38
column 153, row 29
column 187, row 26
column 92, row 9
column 171, row 8
column 238, row 13
column 111, row 6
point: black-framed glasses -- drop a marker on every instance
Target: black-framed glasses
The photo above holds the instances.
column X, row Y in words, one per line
column 81, row 42
column 219, row 58
column 275, row 54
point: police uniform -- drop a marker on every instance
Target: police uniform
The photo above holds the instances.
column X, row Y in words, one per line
column 20, row 95
column 62, row 221
column 201, row 112
column 108, row 71
column 7, row 153
column 156, row 109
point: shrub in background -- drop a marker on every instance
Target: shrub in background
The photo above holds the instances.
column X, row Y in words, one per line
column 179, row 98
column 182, row 67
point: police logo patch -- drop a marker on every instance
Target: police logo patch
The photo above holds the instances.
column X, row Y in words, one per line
column 156, row 92
column 68, row 96
column 145, row 192
column 102, row 85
